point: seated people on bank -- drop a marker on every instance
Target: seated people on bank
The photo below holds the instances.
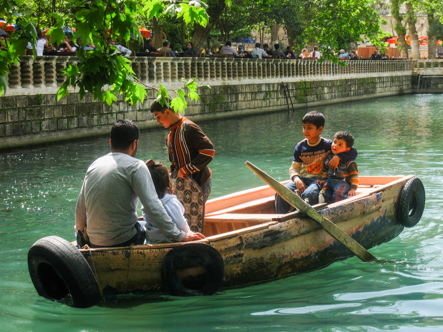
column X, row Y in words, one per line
column 149, row 46
column 342, row 181
column 121, row 49
column 165, row 48
column 276, row 53
column 189, row 50
column 343, row 54
column 228, row 49
column 304, row 53
column 353, row 56
column 267, row 50
column 258, row 52
column 173, row 207
column 289, row 53
column 40, row 44
column 2, row 42
column 107, row 204
column 376, row 56
column 68, row 45
column 315, row 53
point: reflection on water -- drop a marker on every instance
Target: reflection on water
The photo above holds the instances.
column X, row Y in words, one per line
column 398, row 135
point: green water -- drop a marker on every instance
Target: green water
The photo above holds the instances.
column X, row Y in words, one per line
column 398, row 135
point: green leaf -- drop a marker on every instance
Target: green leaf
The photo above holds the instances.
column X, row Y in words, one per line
column 3, row 84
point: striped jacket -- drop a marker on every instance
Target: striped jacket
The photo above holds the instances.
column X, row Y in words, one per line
column 345, row 171
column 190, row 149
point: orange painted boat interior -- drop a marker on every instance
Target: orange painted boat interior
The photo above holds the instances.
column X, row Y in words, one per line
column 256, row 206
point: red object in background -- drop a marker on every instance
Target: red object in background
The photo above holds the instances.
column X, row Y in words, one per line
column 9, row 27
column 145, row 32
column 392, row 40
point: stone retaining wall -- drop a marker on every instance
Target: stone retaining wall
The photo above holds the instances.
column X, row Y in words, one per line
column 27, row 120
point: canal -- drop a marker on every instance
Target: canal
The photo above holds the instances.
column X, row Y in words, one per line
column 395, row 135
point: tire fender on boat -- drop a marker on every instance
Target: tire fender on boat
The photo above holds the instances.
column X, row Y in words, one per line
column 411, row 203
column 190, row 256
column 58, row 269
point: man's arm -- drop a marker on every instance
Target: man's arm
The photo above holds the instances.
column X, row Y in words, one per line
column 80, row 211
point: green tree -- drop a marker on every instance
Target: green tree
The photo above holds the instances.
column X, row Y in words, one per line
column 336, row 23
column 96, row 21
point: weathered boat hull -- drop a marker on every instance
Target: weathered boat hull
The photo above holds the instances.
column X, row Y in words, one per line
column 265, row 251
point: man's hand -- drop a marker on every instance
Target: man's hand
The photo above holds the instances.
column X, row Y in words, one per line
column 193, row 236
column 299, row 184
column 333, row 163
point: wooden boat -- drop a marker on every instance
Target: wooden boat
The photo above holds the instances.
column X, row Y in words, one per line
column 246, row 243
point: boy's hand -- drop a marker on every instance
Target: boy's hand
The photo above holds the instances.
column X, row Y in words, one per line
column 333, row 163
column 321, row 182
column 193, row 236
column 351, row 192
column 300, row 185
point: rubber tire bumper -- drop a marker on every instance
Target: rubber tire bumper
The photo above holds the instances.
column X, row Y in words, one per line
column 192, row 255
column 58, row 269
column 412, row 203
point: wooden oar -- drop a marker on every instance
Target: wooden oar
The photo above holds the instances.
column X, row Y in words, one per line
column 304, row 207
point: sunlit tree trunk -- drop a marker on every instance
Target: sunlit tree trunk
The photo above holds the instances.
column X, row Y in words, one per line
column 400, row 29
column 157, row 34
column 275, row 28
column 412, row 31
column 201, row 34
column 432, row 40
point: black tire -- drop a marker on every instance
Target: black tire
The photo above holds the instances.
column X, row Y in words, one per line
column 188, row 256
column 59, row 271
column 412, row 203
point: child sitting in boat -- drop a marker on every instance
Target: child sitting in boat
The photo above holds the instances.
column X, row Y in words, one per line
column 308, row 161
column 162, row 183
column 341, row 182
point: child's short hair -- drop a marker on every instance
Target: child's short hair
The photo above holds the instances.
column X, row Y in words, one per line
column 347, row 137
column 157, row 107
column 160, row 177
column 316, row 118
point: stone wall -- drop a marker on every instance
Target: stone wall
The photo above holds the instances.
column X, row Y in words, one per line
column 27, row 120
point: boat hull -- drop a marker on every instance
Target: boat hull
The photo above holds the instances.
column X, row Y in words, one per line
column 263, row 251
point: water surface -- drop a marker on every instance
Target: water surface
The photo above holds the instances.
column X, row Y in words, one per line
column 396, row 135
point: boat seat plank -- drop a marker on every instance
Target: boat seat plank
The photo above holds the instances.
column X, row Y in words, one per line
column 242, row 218
column 242, row 206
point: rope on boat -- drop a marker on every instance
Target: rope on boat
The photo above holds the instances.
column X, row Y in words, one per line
column 129, row 265
column 95, row 272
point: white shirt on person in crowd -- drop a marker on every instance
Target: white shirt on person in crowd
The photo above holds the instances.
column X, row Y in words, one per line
column 259, row 53
column 40, row 46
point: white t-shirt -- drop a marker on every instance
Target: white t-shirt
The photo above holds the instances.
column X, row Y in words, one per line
column 40, row 46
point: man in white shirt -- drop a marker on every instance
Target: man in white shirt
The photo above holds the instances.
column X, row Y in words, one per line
column 258, row 52
column 228, row 49
column 315, row 53
column 107, row 204
column 120, row 49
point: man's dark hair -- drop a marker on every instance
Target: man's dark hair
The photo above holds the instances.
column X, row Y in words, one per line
column 165, row 43
column 265, row 46
column 123, row 133
column 228, row 43
column 157, row 107
column 160, row 177
column 316, row 118
column 257, row 45
column 347, row 137
column 276, row 46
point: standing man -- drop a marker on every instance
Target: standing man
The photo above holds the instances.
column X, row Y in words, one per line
column 190, row 150
column 107, row 205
